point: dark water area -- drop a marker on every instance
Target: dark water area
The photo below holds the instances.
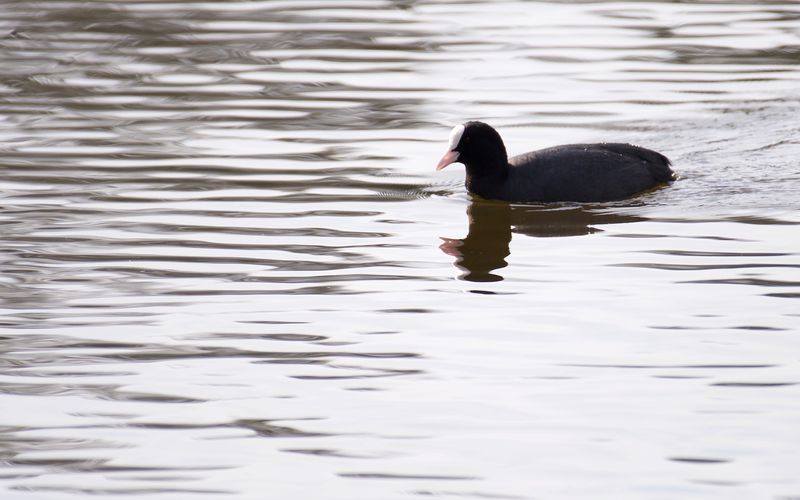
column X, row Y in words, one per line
column 231, row 271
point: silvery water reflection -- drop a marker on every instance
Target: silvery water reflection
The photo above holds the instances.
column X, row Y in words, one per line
column 221, row 274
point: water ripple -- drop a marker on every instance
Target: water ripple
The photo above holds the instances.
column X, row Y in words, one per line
column 223, row 268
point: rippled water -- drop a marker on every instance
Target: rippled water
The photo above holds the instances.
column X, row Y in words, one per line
column 230, row 271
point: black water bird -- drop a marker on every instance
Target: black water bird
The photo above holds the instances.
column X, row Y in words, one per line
column 572, row 172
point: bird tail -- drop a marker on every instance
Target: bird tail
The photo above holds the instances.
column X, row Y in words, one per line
column 658, row 164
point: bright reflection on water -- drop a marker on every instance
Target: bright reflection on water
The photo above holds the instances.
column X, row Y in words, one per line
column 230, row 271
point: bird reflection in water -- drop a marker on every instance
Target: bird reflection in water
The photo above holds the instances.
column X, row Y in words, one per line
column 491, row 224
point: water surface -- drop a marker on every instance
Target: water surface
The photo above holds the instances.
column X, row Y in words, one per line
column 230, row 270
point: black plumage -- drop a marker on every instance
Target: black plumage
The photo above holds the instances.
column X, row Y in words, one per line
column 573, row 172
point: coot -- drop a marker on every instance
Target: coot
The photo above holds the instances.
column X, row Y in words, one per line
column 573, row 172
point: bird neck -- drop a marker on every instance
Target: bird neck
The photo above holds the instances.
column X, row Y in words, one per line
column 480, row 179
